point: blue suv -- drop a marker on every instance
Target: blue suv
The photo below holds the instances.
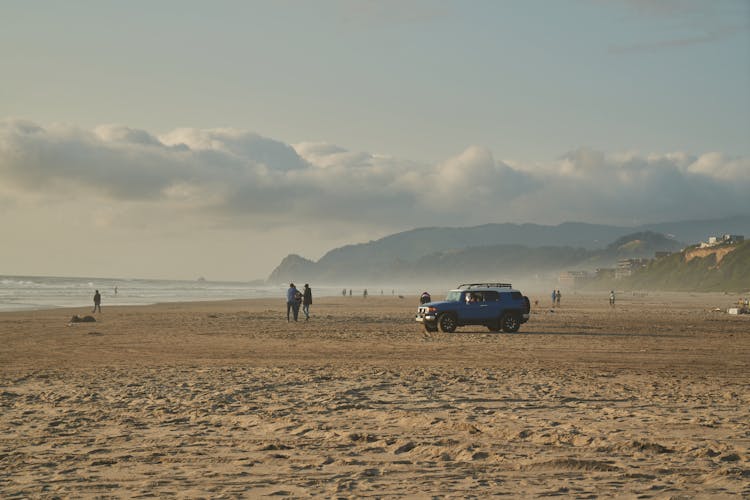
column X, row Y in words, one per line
column 494, row 305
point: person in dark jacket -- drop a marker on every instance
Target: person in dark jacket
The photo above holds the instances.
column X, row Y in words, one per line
column 306, row 301
column 97, row 301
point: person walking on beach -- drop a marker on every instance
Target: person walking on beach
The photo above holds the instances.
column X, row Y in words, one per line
column 554, row 296
column 97, row 302
column 557, row 298
column 293, row 299
column 306, row 301
column 612, row 298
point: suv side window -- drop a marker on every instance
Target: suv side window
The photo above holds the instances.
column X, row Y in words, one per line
column 516, row 295
column 491, row 296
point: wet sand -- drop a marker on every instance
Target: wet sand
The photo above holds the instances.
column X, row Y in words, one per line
column 226, row 399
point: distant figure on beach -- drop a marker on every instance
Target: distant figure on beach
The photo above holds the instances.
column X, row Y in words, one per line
column 115, row 289
column 350, row 292
column 425, row 298
column 293, row 299
column 343, row 292
column 306, row 301
column 364, row 294
column 554, row 296
column 612, row 298
column 557, row 298
column 97, row 301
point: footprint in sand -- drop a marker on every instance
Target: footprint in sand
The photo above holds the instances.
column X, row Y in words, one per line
column 405, row 448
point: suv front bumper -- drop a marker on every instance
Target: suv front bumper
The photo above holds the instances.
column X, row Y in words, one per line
column 422, row 317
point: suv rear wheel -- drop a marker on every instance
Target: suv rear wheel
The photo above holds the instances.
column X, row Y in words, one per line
column 447, row 323
column 510, row 322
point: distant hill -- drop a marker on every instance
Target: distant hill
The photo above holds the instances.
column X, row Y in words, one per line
column 642, row 244
column 507, row 251
column 724, row 268
column 293, row 267
column 417, row 243
column 510, row 251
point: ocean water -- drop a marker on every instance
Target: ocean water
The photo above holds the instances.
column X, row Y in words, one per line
column 19, row 293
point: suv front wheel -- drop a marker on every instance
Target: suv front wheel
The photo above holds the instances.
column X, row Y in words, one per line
column 447, row 323
column 510, row 322
column 429, row 327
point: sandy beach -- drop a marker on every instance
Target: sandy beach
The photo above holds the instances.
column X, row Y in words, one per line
column 650, row 399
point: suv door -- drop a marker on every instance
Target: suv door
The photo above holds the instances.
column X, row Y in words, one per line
column 481, row 310
column 490, row 305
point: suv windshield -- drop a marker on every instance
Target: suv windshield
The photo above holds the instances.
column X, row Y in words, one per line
column 453, row 296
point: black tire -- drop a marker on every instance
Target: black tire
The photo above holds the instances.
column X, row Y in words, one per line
column 429, row 327
column 447, row 323
column 510, row 322
column 526, row 305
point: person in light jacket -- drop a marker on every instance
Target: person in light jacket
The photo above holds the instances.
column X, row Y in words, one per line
column 293, row 299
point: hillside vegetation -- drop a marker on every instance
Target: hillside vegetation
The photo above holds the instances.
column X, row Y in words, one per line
column 725, row 268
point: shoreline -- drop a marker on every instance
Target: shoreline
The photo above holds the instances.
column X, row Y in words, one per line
column 541, row 296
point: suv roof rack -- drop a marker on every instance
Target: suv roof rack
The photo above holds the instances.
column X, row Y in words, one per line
column 469, row 286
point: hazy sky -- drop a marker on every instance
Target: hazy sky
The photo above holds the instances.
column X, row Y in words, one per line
column 183, row 139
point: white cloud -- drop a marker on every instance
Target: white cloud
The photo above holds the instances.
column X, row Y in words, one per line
column 719, row 166
column 118, row 133
column 621, row 188
column 237, row 177
column 238, row 144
